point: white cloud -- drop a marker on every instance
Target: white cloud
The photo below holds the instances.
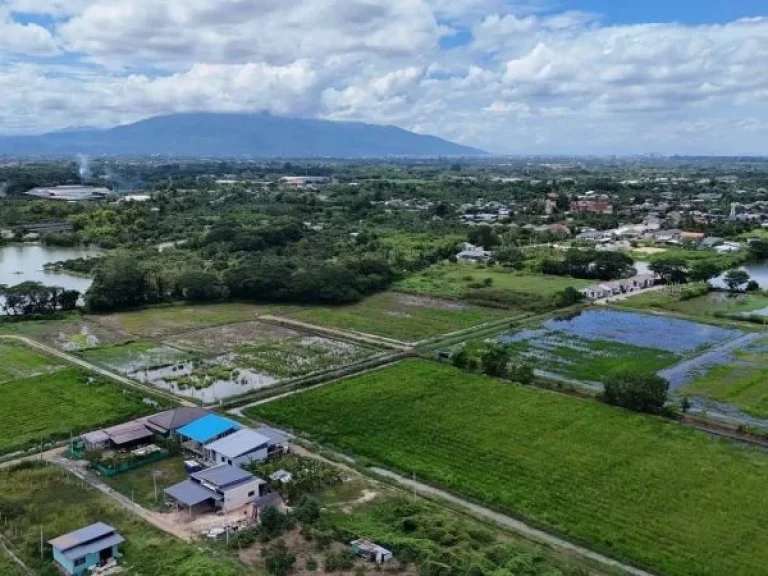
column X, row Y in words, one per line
column 530, row 80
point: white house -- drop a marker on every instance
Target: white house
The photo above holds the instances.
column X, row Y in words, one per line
column 222, row 487
column 471, row 253
column 617, row 287
column 239, row 448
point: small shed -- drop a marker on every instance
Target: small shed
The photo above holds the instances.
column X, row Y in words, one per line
column 79, row 551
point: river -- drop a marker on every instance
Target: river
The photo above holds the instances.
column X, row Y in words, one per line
column 25, row 262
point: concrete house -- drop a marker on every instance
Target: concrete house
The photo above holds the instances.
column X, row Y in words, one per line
column 78, row 552
column 238, row 448
column 222, row 487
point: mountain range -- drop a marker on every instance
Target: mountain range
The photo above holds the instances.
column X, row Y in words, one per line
column 237, row 134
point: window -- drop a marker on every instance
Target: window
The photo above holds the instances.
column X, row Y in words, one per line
column 229, row 462
column 251, row 493
column 80, row 561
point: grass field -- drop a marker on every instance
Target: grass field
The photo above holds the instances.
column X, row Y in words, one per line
column 37, row 497
column 400, row 316
column 164, row 320
column 18, row 361
column 705, row 306
column 139, row 485
column 670, row 498
column 53, row 406
column 740, row 380
column 459, row 280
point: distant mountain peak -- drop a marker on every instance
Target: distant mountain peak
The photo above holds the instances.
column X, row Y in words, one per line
column 256, row 134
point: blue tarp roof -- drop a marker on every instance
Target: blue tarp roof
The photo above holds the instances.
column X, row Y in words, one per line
column 208, row 428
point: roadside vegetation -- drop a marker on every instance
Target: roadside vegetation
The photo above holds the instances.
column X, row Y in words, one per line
column 635, row 487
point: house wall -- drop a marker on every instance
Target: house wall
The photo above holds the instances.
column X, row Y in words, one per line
column 239, row 496
column 90, row 561
column 258, row 455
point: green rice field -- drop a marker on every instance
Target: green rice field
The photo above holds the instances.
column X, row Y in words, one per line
column 54, row 406
column 20, row 361
column 400, row 316
column 672, row 499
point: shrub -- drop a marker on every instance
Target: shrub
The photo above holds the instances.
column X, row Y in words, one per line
column 339, row 561
column 639, row 392
column 278, row 559
column 311, row 564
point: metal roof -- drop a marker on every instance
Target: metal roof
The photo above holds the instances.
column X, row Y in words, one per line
column 275, row 436
column 82, row 536
column 239, row 443
column 190, row 493
column 171, row 420
column 93, row 547
column 208, row 427
column 223, row 476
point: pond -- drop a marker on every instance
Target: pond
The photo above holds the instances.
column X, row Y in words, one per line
column 758, row 271
column 646, row 331
column 25, row 263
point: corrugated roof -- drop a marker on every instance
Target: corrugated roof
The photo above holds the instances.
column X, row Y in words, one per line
column 190, row 493
column 275, row 436
column 82, row 536
column 239, row 443
column 208, row 427
column 171, row 420
column 132, row 435
column 92, row 547
column 223, row 475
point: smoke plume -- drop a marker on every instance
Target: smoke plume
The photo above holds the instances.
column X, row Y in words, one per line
column 84, row 168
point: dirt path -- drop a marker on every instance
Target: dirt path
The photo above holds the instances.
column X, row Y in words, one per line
column 354, row 336
column 511, row 523
column 51, row 351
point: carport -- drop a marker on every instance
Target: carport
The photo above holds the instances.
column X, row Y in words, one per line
column 191, row 494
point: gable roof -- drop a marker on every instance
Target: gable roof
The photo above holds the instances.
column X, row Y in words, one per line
column 82, row 536
column 239, row 443
column 172, row 420
column 223, row 476
column 208, row 427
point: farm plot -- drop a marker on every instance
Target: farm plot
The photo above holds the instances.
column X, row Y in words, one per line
column 582, row 359
column 66, row 402
column 71, row 333
column 127, row 358
column 44, row 498
column 635, row 487
column 400, row 316
column 738, row 377
column 224, row 361
column 164, row 320
column 18, row 361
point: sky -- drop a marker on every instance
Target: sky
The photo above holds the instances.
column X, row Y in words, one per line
column 522, row 77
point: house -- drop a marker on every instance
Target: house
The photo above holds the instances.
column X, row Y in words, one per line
column 78, row 552
column 591, row 207
column 170, row 421
column 121, row 437
column 238, row 448
column 222, row 487
column 370, row 551
column 278, row 441
column 618, row 287
column 205, row 430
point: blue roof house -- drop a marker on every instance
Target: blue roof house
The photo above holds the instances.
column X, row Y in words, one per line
column 79, row 551
column 207, row 429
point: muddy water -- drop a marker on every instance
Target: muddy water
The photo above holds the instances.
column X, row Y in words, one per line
column 243, row 381
column 25, row 263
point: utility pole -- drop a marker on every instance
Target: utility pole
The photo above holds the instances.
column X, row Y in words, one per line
column 41, row 542
column 154, row 482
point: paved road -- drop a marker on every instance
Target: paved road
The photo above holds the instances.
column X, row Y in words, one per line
column 51, row 351
column 511, row 523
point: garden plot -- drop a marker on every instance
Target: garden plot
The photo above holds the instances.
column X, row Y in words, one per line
column 596, row 343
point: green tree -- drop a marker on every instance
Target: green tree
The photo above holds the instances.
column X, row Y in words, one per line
column 703, row 271
column 636, row 391
column 278, row 559
column 460, row 358
column 735, row 278
column 522, row 372
column 495, row 360
column 273, row 522
column 758, row 249
column 509, row 256
column 672, row 270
